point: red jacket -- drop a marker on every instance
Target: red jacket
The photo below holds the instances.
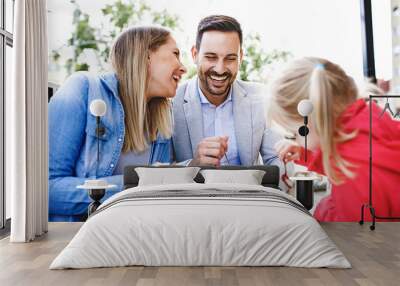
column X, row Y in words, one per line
column 345, row 201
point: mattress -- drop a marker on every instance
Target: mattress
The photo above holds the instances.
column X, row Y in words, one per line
column 201, row 225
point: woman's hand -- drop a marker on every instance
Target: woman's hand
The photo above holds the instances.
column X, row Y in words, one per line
column 288, row 150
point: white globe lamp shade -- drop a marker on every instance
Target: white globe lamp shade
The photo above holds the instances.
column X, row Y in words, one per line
column 98, row 107
column 305, row 107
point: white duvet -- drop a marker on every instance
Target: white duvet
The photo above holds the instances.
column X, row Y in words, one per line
column 207, row 230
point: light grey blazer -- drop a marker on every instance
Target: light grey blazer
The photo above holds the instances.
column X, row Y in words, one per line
column 252, row 136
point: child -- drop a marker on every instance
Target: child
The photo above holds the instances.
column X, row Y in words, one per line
column 338, row 142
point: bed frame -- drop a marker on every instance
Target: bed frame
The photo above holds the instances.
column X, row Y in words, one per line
column 270, row 179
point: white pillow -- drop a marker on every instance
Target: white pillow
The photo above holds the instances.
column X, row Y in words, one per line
column 166, row 176
column 248, row 177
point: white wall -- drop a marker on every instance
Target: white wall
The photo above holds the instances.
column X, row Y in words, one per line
column 324, row 28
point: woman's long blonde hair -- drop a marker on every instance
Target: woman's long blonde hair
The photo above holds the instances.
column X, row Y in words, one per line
column 129, row 58
column 331, row 91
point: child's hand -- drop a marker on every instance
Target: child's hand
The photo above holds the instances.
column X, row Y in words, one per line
column 288, row 150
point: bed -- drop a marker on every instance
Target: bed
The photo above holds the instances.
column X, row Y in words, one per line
column 201, row 224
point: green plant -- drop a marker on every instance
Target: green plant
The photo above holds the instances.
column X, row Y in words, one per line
column 256, row 62
column 164, row 19
column 120, row 15
column 123, row 13
column 82, row 38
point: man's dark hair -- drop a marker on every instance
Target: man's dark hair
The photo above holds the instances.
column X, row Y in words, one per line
column 218, row 23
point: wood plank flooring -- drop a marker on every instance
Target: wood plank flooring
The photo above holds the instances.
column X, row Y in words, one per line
column 375, row 257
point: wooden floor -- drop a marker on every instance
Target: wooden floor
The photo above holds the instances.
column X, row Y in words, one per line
column 375, row 257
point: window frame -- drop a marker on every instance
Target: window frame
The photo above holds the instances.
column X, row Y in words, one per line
column 367, row 40
column 6, row 39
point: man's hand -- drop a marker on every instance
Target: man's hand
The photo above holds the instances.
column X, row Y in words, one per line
column 210, row 151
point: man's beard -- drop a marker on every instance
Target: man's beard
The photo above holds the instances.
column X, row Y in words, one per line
column 206, row 77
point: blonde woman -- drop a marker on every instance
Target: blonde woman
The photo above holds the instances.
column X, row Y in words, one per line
column 338, row 140
column 137, row 123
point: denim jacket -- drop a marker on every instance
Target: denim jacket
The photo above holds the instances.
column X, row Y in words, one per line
column 73, row 143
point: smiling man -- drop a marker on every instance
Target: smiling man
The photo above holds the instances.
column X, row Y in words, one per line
column 219, row 119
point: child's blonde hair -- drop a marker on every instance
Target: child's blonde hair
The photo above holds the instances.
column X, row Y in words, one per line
column 331, row 91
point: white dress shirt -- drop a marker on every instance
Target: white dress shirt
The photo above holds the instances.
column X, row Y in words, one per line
column 218, row 121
